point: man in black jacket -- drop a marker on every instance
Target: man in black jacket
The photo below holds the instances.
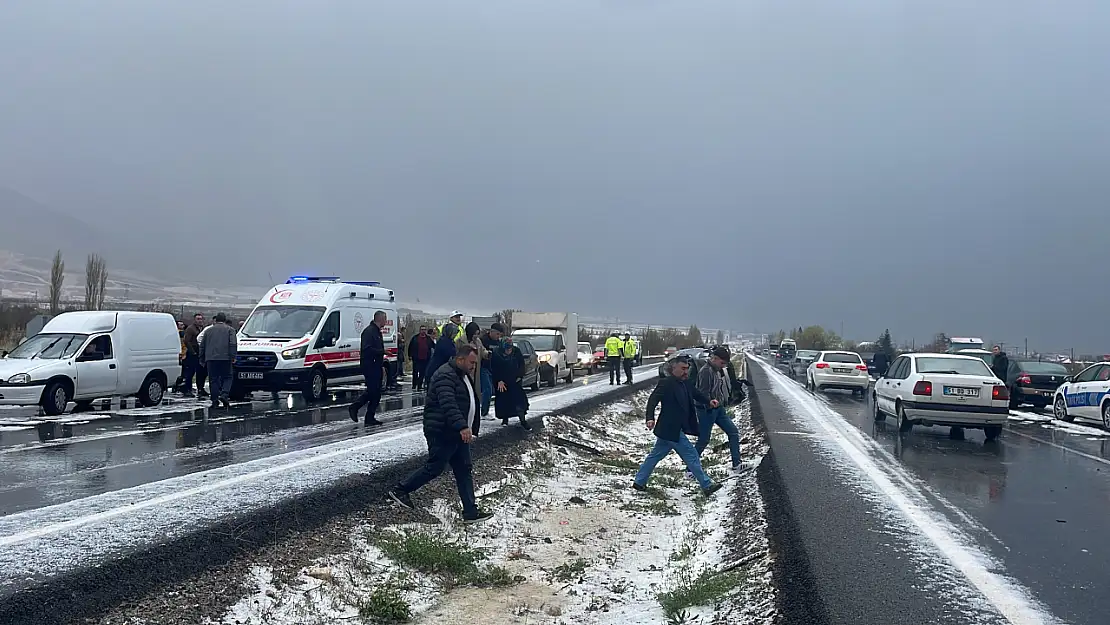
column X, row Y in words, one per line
column 677, row 419
column 372, row 358
column 1001, row 363
column 451, row 421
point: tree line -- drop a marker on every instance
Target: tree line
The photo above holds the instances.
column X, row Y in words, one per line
column 819, row 338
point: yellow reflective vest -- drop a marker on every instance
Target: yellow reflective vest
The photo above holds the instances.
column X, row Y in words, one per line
column 460, row 336
column 630, row 349
column 613, row 346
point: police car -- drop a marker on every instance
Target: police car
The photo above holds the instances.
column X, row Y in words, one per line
column 1085, row 396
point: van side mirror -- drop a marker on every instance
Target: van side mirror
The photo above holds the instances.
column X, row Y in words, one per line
column 327, row 339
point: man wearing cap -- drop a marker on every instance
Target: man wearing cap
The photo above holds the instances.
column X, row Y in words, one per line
column 715, row 385
column 628, row 356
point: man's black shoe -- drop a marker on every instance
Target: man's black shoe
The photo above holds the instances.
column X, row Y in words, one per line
column 351, row 410
column 215, row 404
column 371, row 421
column 477, row 517
column 226, row 403
column 524, row 424
column 639, row 487
column 401, row 499
column 712, row 488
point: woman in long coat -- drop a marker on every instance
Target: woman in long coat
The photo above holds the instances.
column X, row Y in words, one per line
column 508, row 375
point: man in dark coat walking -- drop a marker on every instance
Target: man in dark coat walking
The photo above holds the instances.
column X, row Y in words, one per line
column 420, row 353
column 1001, row 363
column 677, row 419
column 372, row 357
column 451, row 421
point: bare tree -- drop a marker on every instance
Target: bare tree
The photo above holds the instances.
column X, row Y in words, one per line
column 96, row 275
column 57, row 277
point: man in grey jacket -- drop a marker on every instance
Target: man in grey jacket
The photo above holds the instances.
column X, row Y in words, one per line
column 217, row 350
column 714, row 383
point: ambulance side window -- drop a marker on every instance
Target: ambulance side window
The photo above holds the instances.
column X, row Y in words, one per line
column 329, row 333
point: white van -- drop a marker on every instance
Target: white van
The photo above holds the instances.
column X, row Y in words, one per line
column 86, row 355
column 307, row 333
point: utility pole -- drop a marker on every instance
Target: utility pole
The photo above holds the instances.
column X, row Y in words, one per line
column 1027, row 347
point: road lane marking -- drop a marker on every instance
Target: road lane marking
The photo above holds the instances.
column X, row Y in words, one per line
column 1061, row 447
column 1009, row 598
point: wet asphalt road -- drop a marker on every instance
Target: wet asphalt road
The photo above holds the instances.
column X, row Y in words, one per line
column 1038, row 500
column 47, row 461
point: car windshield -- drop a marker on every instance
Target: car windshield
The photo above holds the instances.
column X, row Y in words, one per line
column 49, row 346
column 954, row 366
column 834, row 357
column 1044, row 368
column 585, row 348
column 807, row 353
column 542, row 342
column 283, row 322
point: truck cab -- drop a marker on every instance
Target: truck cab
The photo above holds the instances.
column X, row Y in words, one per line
column 307, row 333
column 555, row 338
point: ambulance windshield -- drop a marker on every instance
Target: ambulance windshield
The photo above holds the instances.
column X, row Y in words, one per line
column 283, row 322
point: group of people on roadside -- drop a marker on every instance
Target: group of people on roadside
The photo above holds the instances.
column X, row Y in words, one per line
column 620, row 351
column 692, row 408
column 207, row 352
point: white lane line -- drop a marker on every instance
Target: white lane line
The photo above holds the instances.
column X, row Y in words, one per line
column 174, row 496
column 1011, row 600
column 1061, row 447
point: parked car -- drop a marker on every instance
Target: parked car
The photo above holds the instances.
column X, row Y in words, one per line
column 942, row 389
column 845, row 371
column 801, row 362
column 1085, row 396
column 1033, row 382
column 531, row 363
column 670, row 351
column 587, row 358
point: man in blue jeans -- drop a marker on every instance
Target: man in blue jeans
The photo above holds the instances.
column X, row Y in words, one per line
column 715, row 385
column 677, row 419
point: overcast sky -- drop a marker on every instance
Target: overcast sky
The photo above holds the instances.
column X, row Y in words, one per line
column 922, row 166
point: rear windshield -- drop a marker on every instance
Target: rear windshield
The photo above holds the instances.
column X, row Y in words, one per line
column 954, row 366
column 852, row 358
column 1047, row 368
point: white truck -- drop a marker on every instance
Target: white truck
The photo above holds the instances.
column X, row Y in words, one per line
column 554, row 335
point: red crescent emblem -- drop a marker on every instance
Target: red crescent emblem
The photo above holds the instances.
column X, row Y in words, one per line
column 280, row 296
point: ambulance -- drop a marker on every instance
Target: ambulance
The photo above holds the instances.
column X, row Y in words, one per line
column 306, row 334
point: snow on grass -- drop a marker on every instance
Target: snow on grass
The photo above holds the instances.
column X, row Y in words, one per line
column 570, row 542
column 1048, row 422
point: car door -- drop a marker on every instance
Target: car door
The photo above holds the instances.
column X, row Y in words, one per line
column 887, row 388
column 97, row 372
column 1077, row 394
column 1092, row 391
column 326, row 345
column 531, row 362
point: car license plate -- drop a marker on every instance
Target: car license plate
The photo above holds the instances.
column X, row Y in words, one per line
column 839, row 370
column 960, row 391
column 1046, row 393
column 250, row 375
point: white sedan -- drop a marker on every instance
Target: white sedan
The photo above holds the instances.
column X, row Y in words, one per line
column 942, row 389
column 1085, row 396
column 841, row 370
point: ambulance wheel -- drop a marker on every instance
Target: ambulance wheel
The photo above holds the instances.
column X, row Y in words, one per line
column 316, row 385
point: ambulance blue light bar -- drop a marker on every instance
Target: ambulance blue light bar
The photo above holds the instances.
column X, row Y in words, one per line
column 362, row 282
column 300, row 279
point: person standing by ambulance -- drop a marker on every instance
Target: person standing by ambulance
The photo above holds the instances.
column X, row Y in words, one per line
column 628, row 354
column 613, row 348
column 371, row 356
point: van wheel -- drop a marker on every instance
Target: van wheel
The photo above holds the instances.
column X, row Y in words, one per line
column 152, row 391
column 992, row 432
column 55, row 398
column 316, row 385
column 570, row 375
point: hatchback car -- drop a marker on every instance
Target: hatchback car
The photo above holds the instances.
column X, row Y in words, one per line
column 1086, row 396
column 845, row 371
column 942, row 389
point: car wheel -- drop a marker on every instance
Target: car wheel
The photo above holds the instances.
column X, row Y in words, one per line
column 1060, row 410
column 1040, row 405
column 956, row 433
column 535, row 382
column 55, row 399
column 152, row 391
column 570, row 375
column 904, row 424
column 316, row 385
column 554, row 377
column 1106, row 415
column 879, row 416
column 992, row 432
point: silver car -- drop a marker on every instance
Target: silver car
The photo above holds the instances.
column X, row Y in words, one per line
column 802, row 361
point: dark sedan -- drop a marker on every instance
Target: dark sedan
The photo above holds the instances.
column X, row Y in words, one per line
column 531, row 363
column 1033, row 382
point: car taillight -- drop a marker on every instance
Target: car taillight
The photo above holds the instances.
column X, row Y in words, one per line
column 1024, row 379
column 1000, row 393
column 822, row 365
column 861, row 367
column 923, row 388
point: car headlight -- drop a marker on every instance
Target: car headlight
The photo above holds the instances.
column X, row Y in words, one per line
column 295, row 353
column 20, row 378
column 545, row 358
